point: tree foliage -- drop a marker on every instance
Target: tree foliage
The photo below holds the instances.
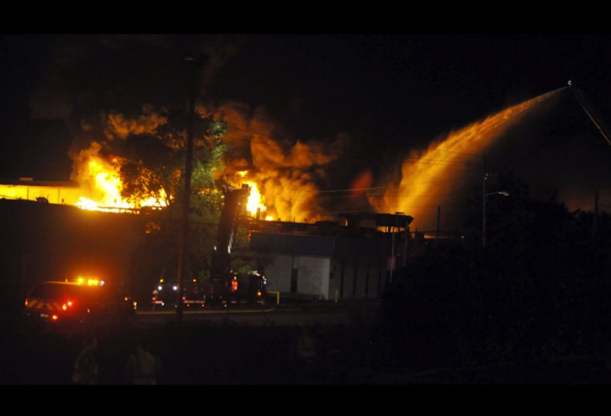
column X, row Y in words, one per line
column 539, row 288
column 150, row 163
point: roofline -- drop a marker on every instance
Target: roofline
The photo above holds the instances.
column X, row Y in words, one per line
column 32, row 182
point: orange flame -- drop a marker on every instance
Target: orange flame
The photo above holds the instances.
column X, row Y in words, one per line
column 254, row 200
column 286, row 172
column 105, row 184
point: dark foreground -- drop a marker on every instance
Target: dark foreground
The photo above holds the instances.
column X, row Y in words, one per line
column 226, row 354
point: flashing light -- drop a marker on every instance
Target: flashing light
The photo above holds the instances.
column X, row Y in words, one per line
column 89, row 282
column 69, row 303
column 64, row 307
column 54, row 317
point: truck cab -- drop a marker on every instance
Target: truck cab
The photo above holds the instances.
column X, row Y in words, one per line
column 74, row 304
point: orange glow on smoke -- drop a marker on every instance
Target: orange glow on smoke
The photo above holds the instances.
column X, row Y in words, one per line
column 428, row 177
column 286, row 171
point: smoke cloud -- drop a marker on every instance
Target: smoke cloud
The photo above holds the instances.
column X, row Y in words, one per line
column 287, row 172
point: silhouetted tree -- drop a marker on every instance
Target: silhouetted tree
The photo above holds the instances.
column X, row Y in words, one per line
column 152, row 162
column 540, row 287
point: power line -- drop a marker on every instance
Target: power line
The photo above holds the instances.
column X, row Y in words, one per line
column 248, row 131
column 352, row 189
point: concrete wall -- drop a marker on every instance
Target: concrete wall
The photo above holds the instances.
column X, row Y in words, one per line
column 311, row 274
column 56, row 242
column 278, row 273
column 349, row 267
column 358, row 277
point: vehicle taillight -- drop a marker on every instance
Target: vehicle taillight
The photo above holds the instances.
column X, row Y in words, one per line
column 67, row 305
column 26, row 302
column 54, row 317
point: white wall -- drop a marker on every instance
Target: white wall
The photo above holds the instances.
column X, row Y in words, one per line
column 278, row 273
column 312, row 275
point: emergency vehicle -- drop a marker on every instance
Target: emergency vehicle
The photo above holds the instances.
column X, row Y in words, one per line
column 218, row 291
column 224, row 285
column 78, row 303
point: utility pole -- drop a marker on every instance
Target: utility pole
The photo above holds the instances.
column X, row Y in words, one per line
column 484, row 204
column 194, row 64
column 437, row 229
column 406, row 243
column 595, row 218
column 392, row 250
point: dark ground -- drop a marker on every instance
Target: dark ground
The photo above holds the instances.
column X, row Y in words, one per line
column 229, row 354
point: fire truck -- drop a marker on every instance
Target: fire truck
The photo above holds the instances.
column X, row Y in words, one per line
column 224, row 285
column 77, row 304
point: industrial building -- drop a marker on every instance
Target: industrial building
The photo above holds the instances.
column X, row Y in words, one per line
column 329, row 261
column 54, row 192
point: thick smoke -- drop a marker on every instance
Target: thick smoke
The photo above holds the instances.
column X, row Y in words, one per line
column 287, row 172
column 119, row 126
column 86, row 77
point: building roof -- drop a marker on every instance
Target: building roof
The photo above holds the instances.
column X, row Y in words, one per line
column 32, row 182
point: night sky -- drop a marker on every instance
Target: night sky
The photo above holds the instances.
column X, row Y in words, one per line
column 389, row 94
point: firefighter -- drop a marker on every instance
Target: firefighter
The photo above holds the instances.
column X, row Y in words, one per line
column 305, row 352
column 307, row 346
column 143, row 368
column 86, row 364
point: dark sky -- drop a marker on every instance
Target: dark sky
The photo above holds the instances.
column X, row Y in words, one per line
column 390, row 93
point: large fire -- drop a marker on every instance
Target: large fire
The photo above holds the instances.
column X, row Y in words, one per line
column 254, row 200
column 254, row 205
column 105, row 189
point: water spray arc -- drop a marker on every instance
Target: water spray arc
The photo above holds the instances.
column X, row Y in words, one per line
column 442, row 166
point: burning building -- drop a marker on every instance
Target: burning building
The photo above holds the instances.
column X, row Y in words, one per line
column 54, row 192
